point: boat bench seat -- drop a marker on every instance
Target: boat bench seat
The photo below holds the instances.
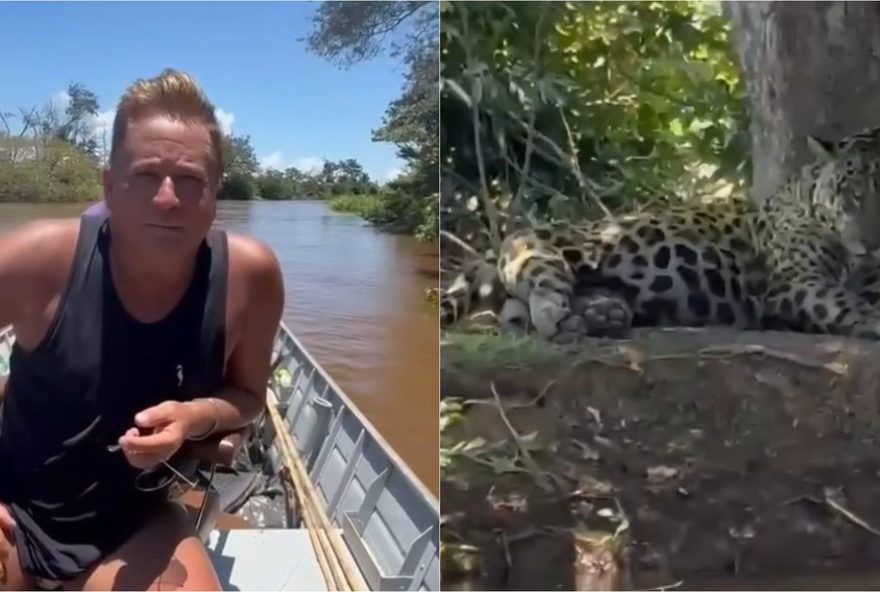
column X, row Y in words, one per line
column 219, row 450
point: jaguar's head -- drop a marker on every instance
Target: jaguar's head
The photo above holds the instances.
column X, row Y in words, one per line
column 848, row 186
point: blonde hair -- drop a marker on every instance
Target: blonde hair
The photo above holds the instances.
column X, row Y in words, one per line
column 172, row 94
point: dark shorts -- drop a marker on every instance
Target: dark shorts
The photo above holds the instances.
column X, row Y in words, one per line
column 57, row 558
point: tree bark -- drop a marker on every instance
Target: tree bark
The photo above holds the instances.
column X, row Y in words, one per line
column 810, row 68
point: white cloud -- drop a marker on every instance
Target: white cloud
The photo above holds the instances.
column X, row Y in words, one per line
column 309, row 164
column 102, row 123
column 393, row 174
column 273, row 161
column 276, row 160
column 61, row 100
column 226, row 119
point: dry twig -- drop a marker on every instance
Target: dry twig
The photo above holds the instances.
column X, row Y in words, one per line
column 527, row 459
column 831, row 499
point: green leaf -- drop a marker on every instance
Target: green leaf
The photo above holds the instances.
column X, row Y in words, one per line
column 655, row 86
column 504, row 464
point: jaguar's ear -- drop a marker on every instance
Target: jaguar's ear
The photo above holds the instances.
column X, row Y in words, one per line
column 824, row 149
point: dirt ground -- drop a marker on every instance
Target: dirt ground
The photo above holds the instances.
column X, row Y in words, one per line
column 686, row 459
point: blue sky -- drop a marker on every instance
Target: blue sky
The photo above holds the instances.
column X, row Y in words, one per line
column 297, row 108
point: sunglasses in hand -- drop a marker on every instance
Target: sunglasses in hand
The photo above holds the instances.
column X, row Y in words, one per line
column 155, row 478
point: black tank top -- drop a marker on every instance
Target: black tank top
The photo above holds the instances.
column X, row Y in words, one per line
column 79, row 390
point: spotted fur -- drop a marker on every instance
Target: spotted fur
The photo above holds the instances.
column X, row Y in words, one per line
column 806, row 260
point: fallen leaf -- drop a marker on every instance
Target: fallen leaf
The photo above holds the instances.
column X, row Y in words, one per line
column 661, row 473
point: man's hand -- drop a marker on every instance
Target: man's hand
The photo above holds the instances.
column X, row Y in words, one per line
column 169, row 421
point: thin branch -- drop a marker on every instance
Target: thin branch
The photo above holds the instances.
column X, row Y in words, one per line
column 488, row 205
column 28, row 120
column 562, row 159
column 382, row 30
column 575, row 164
column 530, row 135
column 491, row 211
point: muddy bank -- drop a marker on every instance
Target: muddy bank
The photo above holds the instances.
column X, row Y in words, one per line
column 707, row 459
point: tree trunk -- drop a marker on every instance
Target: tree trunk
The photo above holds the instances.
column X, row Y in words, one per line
column 810, row 68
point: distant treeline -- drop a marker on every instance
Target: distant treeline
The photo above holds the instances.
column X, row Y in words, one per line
column 54, row 155
column 245, row 180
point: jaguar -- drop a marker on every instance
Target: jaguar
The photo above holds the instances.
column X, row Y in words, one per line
column 805, row 259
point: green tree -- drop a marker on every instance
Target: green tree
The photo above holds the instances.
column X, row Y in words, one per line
column 272, row 185
column 351, row 170
column 412, row 121
column 77, row 127
column 352, row 178
column 240, row 157
column 50, row 154
column 567, row 110
column 311, row 186
column 346, row 176
column 241, row 168
column 74, row 124
column 294, row 179
column 329, row 172
column 347, row 33
column 237, row 186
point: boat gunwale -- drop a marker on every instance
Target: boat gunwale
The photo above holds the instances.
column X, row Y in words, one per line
column 395, row 458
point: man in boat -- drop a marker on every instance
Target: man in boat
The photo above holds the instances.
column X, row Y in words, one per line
column 137, row 328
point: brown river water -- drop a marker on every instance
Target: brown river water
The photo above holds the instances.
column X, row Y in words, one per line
column 354, row 297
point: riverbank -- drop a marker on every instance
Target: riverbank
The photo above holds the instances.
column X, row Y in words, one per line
column 703, row 459
column 61, row 174
column 389, row 211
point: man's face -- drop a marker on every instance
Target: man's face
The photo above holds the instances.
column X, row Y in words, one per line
column 161, row 189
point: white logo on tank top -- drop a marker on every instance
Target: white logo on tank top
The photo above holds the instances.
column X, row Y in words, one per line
column 179, row 374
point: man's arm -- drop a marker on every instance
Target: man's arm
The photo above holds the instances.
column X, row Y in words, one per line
column 243, row 397
column 33, row 258
column 30, row 261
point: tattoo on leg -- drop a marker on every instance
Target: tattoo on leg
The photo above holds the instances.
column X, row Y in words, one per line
column 174, row 576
